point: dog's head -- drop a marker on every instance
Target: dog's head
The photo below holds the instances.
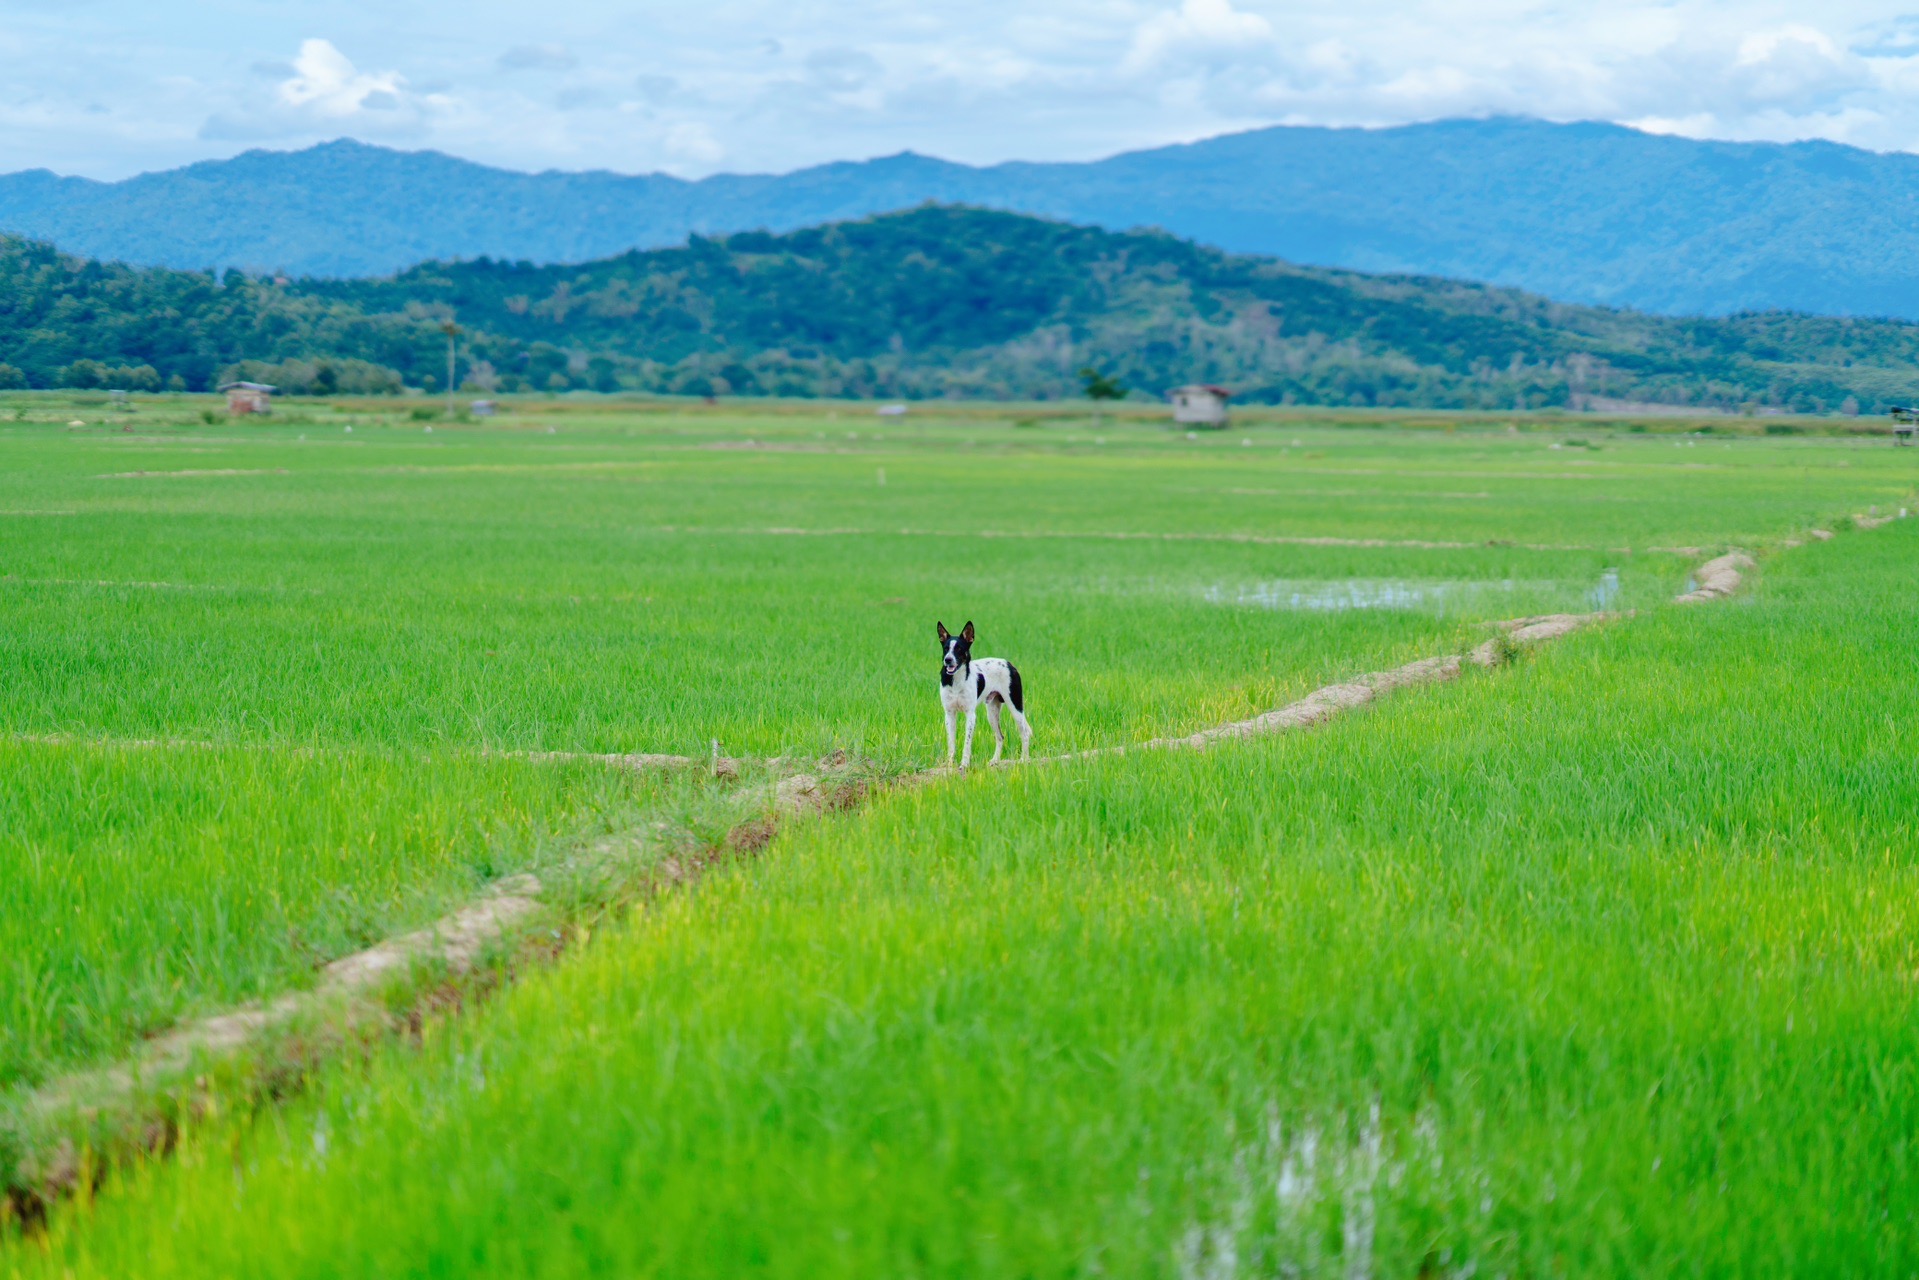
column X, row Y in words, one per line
column 957, row 648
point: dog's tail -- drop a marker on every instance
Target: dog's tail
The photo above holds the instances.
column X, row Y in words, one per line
column 1019, row 693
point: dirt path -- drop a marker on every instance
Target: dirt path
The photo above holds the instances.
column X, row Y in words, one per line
column 1324, row 703
column 1718, row 578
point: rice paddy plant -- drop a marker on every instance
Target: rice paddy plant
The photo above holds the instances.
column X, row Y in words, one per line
column 1598, row 965
column 244, row 595
column 644, row 581
column 139, row 885
column 652, row 581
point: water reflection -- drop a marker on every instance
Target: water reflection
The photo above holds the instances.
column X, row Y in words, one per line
column 1442, row 596
column 1603, row 595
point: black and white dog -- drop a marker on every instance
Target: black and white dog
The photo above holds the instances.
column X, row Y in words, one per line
column 966, row 682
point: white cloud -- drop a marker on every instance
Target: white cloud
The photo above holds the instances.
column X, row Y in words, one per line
column 324, row 93
column 1895, row 38
column 326, row 83
column 1793, row 66
column 1784, row 82
column 1206, row 28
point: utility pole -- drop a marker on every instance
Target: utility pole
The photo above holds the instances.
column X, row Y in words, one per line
column 452, row 332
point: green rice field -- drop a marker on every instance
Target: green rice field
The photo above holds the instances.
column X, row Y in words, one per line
column 1599, row 963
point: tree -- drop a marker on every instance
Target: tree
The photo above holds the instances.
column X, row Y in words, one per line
column 11, row 379
column 142, row 377
column 83, row 375
column 601, row 372
column 1100, row 388
column 544, row 363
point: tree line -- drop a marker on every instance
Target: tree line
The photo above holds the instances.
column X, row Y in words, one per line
column 934, row 302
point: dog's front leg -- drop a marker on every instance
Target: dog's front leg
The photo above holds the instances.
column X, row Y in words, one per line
column 966, row 752
column 951, row 716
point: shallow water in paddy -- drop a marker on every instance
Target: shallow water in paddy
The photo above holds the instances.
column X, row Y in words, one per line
column 1441, row 596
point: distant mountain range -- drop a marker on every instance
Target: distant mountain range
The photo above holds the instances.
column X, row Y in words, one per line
column 1587, row 213
column 937, row 301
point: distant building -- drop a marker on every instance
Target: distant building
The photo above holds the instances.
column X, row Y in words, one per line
column 892, row 411
column 1905, row 424
column 484, row 408
column 248, row 397
column 1199, row 406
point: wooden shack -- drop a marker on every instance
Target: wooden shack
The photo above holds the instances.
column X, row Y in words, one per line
column 1905, row 424
column 1200, row 405
column 248, row 397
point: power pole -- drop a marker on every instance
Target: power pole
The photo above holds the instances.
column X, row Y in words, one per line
column 452, row 332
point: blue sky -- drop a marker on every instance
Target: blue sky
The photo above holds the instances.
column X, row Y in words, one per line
column 111, row 87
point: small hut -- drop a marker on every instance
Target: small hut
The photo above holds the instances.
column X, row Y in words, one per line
column 1905, row 424
column 1200, row 406
column 247, row 397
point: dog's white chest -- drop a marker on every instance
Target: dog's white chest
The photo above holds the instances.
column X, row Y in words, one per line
column 960, row 693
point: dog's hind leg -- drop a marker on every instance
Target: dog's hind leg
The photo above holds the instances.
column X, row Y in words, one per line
column 1017, row 701
column 1025, row 733
column 999, row 734
column 951, row 717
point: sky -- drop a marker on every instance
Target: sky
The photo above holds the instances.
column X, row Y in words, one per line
column 107, row 88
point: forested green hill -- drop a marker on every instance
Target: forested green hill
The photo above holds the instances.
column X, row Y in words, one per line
column 937, row 301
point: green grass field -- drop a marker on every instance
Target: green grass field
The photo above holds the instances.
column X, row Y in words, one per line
column 1596, row 965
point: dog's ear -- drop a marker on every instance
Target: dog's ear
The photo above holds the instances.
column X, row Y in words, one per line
column 966, row 633
column 944, row 633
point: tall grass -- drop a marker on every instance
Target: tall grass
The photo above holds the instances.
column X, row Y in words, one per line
column 630, row 582
column 347, row 616
column 140, row 885
column 1602, row 965
column 651, row 582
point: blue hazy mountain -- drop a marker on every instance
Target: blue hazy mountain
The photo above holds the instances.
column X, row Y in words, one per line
column 1586, row 213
